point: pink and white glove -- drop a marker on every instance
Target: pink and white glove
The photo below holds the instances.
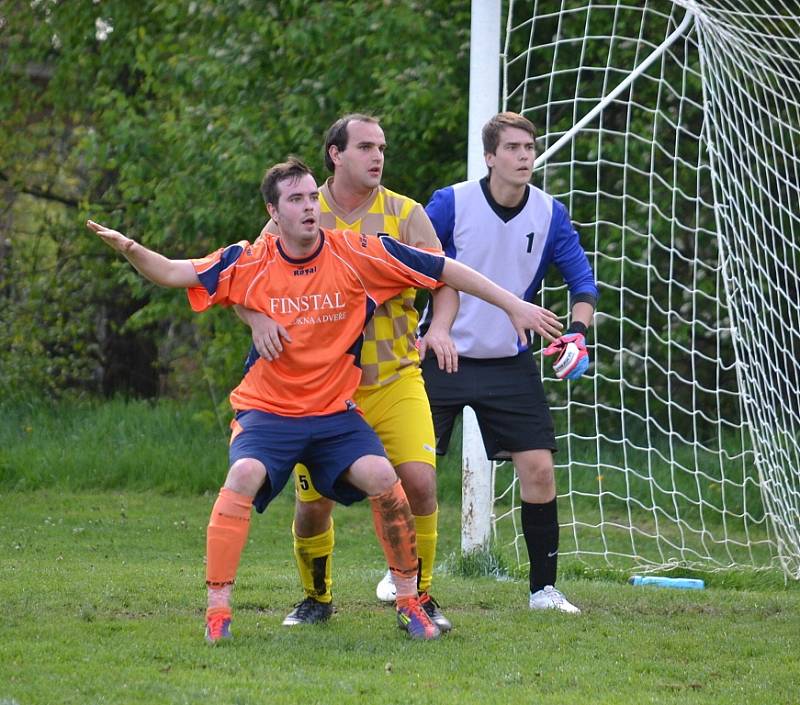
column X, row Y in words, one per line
column 573, row 357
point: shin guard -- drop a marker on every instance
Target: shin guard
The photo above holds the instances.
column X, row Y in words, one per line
column 226, row 536
column 314, row 556
column 394, row 527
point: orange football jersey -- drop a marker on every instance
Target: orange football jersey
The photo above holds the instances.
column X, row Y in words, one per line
column 323, row 301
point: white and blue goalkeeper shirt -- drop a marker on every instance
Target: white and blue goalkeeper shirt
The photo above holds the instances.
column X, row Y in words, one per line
column 514, row 247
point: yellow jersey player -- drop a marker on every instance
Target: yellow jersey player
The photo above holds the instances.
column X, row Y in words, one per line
column 392, row 394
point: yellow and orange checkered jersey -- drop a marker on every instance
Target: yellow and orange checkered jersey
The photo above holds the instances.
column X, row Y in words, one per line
column 323, row 301
column 390, row 335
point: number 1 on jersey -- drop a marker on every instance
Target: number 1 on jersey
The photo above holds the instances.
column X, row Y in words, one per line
column 530, row 237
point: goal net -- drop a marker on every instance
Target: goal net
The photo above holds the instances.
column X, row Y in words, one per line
column 671, row 131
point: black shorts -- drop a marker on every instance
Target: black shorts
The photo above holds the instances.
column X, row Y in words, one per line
column 506, row 395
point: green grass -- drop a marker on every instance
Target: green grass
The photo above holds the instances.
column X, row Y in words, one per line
column 169, row 446
column 103, row 509
column 103, row 601
column 179, row 448
column 615, row 511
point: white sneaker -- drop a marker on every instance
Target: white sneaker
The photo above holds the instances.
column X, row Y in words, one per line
column 386, row 591
column 548, row 598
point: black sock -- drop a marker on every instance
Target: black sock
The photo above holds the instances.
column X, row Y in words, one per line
column 540, row 529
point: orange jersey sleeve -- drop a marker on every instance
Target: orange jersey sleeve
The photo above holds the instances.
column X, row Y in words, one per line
column 227, row 274
column 387, row 266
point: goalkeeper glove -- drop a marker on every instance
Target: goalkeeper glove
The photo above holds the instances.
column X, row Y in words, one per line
column 573, row 357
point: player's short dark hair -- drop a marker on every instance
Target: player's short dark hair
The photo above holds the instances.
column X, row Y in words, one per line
column 337, row 134
column 492, row 129
column 292, row 168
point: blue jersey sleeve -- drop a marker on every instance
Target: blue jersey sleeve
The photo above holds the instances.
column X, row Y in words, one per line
column 209, row 278
column 570, row 258
column 441, row 209
column 221, row 280
column 430, row 265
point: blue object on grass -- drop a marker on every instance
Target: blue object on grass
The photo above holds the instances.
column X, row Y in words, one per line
column 660, row 581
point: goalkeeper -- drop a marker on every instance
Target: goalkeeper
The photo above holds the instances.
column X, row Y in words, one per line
column 511, row 232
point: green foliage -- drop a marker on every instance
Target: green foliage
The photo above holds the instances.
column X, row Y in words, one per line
column 48, row 317
column 160, row 118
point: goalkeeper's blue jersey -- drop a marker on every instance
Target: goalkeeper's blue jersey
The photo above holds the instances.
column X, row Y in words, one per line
column 512, row 247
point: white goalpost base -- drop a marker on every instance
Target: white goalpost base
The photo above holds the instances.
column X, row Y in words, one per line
column 671, row 131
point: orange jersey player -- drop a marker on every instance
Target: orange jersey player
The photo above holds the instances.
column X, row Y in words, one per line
column 323, row 285
column 392, row 393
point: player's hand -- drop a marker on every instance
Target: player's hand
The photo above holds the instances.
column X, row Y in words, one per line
column 442, row 345
column 112, row 238
column 527, row 316
column 573, row 357
column 267, row 336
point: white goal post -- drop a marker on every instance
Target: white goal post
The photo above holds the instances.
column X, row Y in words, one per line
column 671, row 131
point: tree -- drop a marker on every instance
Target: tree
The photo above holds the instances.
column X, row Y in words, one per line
column 160, row 117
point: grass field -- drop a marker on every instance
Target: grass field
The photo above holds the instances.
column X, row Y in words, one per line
column 103, row 603
column 101, row 582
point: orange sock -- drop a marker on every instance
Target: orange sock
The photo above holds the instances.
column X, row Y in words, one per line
column 394, row 526
column 226, row 536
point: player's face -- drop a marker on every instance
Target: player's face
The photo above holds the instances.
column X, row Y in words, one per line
column 297, row 212
column 360, row 165
column 512, row 163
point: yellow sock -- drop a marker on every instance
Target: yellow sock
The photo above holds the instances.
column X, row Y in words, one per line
column 314, row 556
column 426, row 548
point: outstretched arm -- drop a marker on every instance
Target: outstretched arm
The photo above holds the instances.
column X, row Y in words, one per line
column 523, row 315
column 173, row 273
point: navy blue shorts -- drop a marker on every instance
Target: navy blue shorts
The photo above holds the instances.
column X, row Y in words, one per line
column 326, row 445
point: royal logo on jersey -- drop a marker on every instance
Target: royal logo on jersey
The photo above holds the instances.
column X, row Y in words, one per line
column 306, row 270
column 307, row 302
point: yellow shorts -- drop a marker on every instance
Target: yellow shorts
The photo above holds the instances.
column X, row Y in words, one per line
column 401, row 416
